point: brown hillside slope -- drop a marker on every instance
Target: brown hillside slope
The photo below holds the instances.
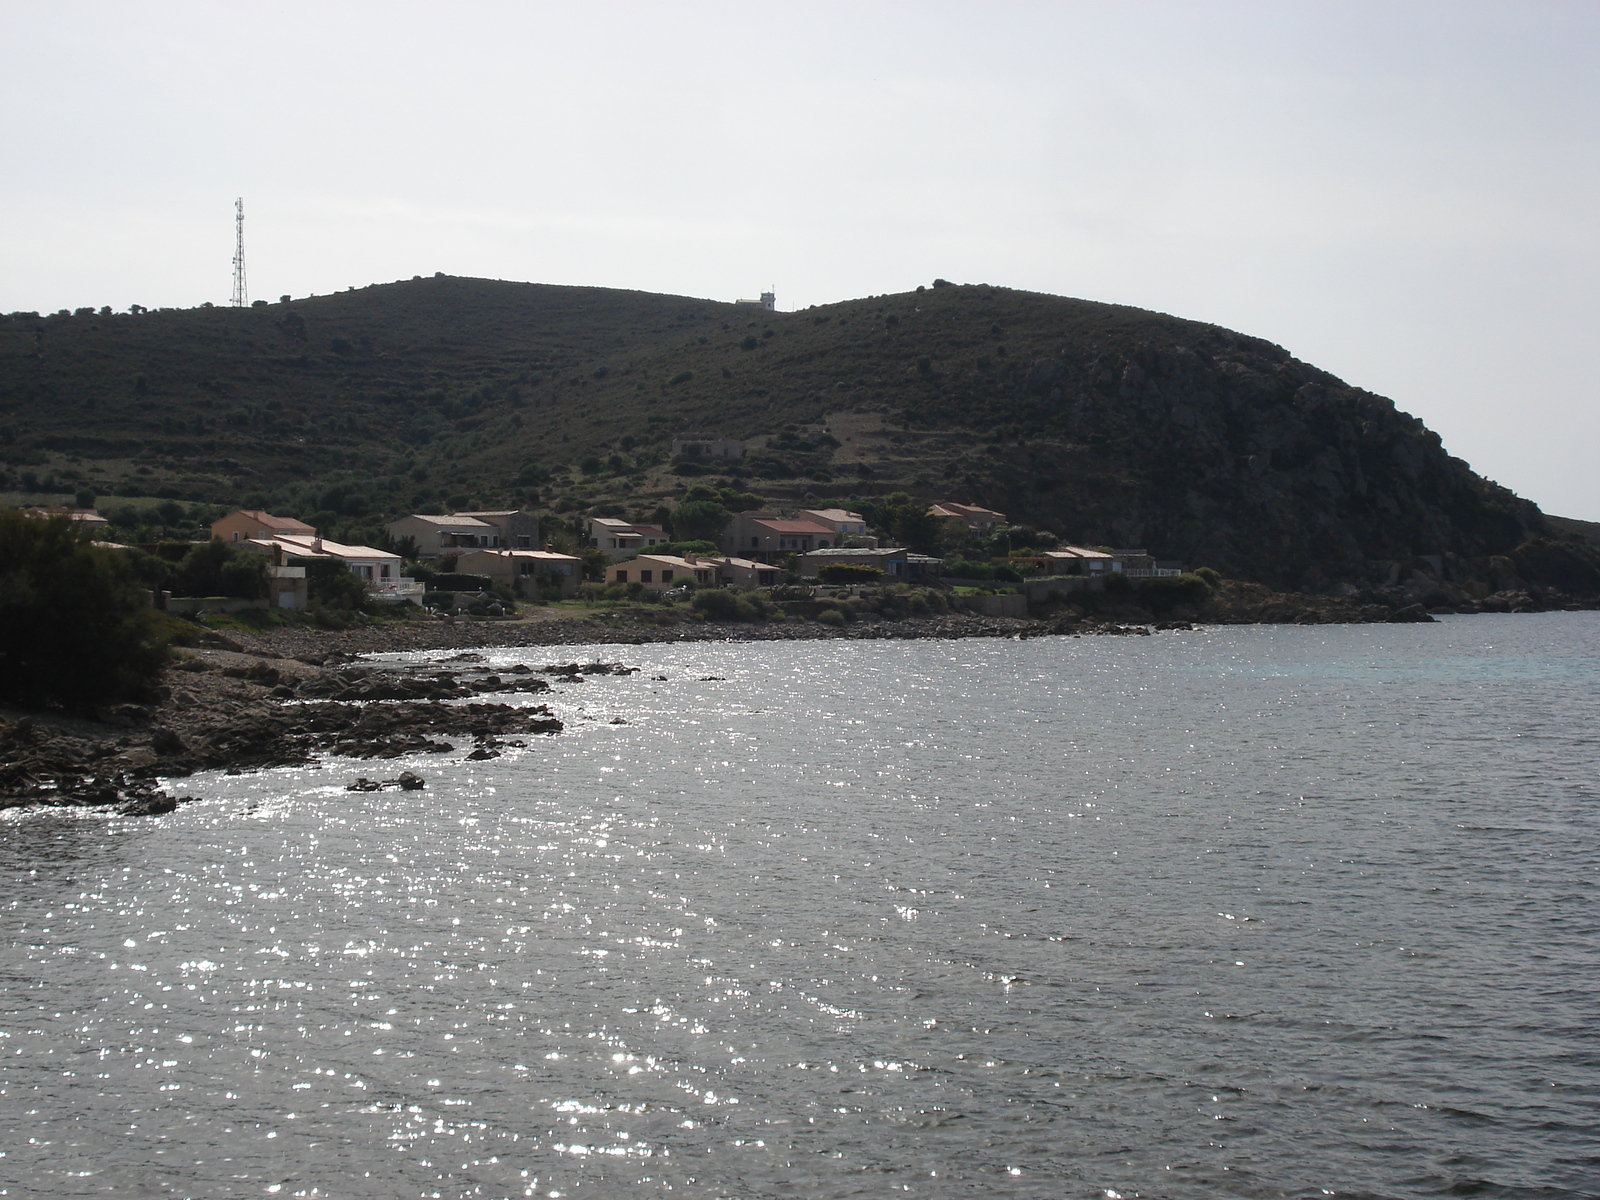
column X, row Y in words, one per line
column 1103, row 423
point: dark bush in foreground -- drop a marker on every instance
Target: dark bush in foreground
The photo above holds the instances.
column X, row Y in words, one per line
column 76, row 629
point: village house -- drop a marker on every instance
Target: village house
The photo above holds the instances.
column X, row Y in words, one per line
column 244, row 523
column 518, row 530
column 436, row 535
column 843, row 522
column 1080, row 560
column 973, row 516
column 660, row 571
column 378, row 570
column 86, row 517
column 525, row 572
column 618, row 539
column 897, row 563
column 767, row 537
column 744, row 572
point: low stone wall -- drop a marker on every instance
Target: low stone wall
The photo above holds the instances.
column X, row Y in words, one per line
column 992, row 606
column 188, row 605
column 1063, row 585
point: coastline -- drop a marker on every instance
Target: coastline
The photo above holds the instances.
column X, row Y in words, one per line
column 249, row 700
column 245, row 700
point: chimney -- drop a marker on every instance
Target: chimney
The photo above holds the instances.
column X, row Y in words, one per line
column 689, row 557
column 316, row 543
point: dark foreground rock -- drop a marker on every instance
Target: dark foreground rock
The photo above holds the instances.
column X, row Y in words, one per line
column 236, row 711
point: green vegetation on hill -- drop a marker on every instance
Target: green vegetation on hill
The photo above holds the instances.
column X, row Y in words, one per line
column 1104, row 424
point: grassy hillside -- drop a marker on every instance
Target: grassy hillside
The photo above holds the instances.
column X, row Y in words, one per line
column 1101, row 423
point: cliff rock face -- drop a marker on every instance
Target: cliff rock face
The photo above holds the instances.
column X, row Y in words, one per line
column 1103, row 424
column 1218, row 448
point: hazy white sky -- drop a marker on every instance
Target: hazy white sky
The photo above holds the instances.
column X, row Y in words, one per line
column 1402, row 193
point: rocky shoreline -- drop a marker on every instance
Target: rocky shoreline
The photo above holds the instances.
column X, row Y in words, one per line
column 288, row 696
column 232, row 710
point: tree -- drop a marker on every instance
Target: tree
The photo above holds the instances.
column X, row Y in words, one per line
column 909, row 522
column 215, row 568
column 332, row 584
column 695, row 520
column 76, row 629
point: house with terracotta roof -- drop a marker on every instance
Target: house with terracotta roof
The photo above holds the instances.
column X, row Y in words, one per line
column 841, row 520
column 245, row 523
column 744, row 572
column 528, row 573
column 1080, row 560
column 973, row 516
column 378, row 569
column 661, row 571
column 767, row 537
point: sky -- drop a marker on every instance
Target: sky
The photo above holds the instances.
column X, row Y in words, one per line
column 1402, row 193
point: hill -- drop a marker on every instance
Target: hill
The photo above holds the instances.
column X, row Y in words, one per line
column 1105, row 424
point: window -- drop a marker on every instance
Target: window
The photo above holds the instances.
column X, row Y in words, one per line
column 666, row 577
column 622, row 577
column 383, row 571
column 644, row 576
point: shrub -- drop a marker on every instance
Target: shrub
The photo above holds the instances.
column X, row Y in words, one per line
column 215, row 568
column 332, row 585
column 76, row 629
column 849, row 573
column 699, row 520
column 718, row 604
column 1164, row 594
column 831, row 616
column 695, row 547
column 1209, row 574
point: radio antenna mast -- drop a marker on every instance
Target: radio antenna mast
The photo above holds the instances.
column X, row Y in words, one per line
column 241, row 296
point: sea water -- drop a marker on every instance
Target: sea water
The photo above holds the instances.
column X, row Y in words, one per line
column 1260, row 911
